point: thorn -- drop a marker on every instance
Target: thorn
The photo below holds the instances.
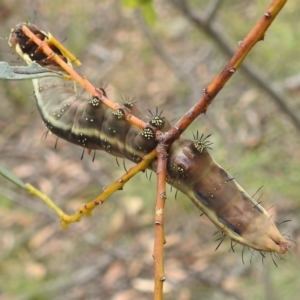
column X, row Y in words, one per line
column 55, row 147
column 124, row 165
column 262, row 259
column 274, row 261
column 285, row 221
column 220, row 243
column 45, row 134
column 267, row 15
column 163, row 195
column 176, row 194
column 252, row 253
column 270, row 207
column 117, row 162
column 243, row 255
column 257, row 191
column 233, row 245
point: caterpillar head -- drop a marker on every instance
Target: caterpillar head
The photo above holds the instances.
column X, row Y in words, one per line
column 26, row 48
column 222, row 199
column 30, row 51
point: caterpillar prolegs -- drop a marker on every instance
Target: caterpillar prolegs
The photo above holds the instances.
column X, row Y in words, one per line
column 86, row 121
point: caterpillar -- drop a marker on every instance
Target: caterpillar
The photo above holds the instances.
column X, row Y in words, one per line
column 85, row 121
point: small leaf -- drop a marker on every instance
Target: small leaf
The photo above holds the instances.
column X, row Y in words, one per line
column 131, row 3
column 146, row 7
column 149, row 13
column 6, row 174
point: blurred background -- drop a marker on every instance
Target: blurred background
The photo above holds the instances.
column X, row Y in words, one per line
column 255, row 126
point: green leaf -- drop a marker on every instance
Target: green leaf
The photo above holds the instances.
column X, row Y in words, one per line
column 131, row 3
column 149, row 13
column 136, row 3
column 6, row 174
column 146, row 7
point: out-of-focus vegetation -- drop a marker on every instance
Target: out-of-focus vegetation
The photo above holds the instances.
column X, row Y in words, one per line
column 109, row 255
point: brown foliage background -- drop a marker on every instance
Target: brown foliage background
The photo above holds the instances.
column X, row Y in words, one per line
column 109, row 255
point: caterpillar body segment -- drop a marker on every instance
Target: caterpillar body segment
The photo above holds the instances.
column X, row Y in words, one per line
column 223, row 200
column 87, row 122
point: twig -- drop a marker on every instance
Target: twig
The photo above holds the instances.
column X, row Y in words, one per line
column 254, row 36
column 87, row 208
column 161, row 196
column 204, row 24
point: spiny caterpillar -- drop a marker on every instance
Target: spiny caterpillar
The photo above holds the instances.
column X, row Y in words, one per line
column 87, row 122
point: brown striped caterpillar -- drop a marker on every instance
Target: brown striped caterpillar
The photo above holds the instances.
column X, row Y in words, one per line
column 86, row 121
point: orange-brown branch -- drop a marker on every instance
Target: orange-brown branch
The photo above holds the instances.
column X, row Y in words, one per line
column 254, row 36
column 161, row 196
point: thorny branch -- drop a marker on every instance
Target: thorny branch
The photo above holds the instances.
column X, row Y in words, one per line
column 158, row 251
column 205, row 24
column 254, row 36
